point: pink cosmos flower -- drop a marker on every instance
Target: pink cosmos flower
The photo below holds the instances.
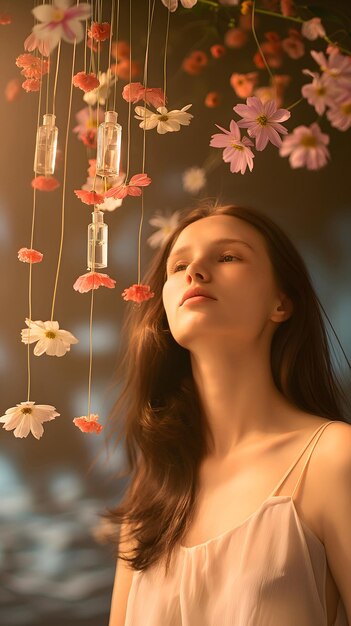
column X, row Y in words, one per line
column 261, row 120
column 236, row 150
column 88, row 423
column 28, row 417
column 12, row 89
column 29, row 255
column 339, row 113
column 34, row 43
column 93, row 280
column 337, row 66
column 86, row 82
column 99, row 32
column 172, row 5
column 45, row 183
column 133, row 92
column 306, row 147
column 243, row 84
column 129, row 189
column 60, row 20
column 320, row 93
column 31, row 84
column 88, row 121
column 312, row 29
column 138, row 293
column 89, row 197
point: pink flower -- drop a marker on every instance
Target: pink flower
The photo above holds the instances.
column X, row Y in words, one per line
column 213, row 99
column 29, row 255
column 339, row 113
column 262, row 119
column 129, row 189
column 120, row 50
column 312, row 29
column 60, row 20
column 99, row 32
column 237, row 151
column 12, row 89
column 337, row 66
column 93, row 280
column 293, row 45
column 320, row 93
column 172, row 5
column 89, row 197
column 138, row 293
column 85, row 82
column 217, row 50
column 287, row 8
column 5, row 19
column 33, row 43
column 88, row 423
column 243, row 84
column 133, row 92
column 45, row 183
column 235, row 38
column 123, row 69
column 88, row 121
column 31, row 84
column 306, row 147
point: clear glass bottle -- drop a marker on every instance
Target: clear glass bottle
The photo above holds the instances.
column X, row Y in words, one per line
column 97, row 242
column 45, row 147
column 109, row 146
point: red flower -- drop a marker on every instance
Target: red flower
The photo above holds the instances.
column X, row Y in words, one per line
column 99, row 32
column 129, row 189
column 195, row 62
column 5, row 18
column 121, row 69
column 31, row 84
column 133, row 92
column 213, row 99
column 88, row 424
column 86, row 82
column 93, row 280
column 120, row 50
column 89, row 197
column 12, row 89
column 235, row 38
column 29, row 255
column 45, row 183
column 88, row 138
column 217, row 50
column 33, row 67
column 138, row 293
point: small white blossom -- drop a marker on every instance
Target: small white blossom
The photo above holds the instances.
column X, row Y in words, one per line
column 27, row 417
column 172, row 5
column 166, row 225
column 166, row 121
column 312, row 29
column 102, row 92
column 50, row 339
column 194, row 179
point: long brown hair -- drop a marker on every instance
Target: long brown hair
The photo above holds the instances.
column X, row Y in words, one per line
column 158, row 411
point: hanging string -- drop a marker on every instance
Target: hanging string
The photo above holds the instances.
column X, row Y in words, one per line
column 130, row 80
column 109, row 73
column 56, row 75
column 31, row 247
column 64, row 180
column 116, row 79
column 165, row 55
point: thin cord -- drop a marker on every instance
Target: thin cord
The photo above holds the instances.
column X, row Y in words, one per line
column 165, row 56
column 130, row 80
column 116, row 79
column 64, row 181
column 56, row 75
column 109, row 74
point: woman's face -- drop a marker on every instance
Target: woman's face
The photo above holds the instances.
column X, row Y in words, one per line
column 237, row 274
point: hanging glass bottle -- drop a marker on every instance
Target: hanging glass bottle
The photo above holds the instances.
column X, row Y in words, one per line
column 109, row 146
column 97, row 242
column 45, row 147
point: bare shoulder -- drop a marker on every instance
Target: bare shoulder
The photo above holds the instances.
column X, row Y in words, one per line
column 335, row 442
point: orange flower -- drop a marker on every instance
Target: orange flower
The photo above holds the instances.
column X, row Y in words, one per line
column 45, row 183
column 89, row 197
column 88, row 423
column 93, row 280
column 121, row 69
column 213, row 99
column 217, row 50
column 31, row 84
column 243, row 84
column 235, row 38
column 86, row 82
column 120, row 49
column 99, row 32
column 12, row 89
column 246, row 7
column 138, row 293
column 5, row 18
column 29, row 255
column 33, row 67
column 195, row 62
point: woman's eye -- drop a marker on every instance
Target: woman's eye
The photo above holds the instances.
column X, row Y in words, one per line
column 224, row 256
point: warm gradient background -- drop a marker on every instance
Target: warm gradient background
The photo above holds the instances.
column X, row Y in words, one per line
column 51, row 491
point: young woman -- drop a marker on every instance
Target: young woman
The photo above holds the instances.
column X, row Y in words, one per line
column 235, row 433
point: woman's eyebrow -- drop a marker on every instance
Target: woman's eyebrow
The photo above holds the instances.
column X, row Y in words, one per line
column 216, row 242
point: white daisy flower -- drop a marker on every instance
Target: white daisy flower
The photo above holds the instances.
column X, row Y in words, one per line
column 102, row 92
column 50, row 339
column 194, row 179
column 166, row 121
column 27, row 417
column 166, row 225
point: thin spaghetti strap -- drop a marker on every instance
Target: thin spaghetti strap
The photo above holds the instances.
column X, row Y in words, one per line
column 319, row 430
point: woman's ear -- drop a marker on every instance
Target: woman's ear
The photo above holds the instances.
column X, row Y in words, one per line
column 283, row 309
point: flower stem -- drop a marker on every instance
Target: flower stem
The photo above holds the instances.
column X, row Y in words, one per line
column 295, row 104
